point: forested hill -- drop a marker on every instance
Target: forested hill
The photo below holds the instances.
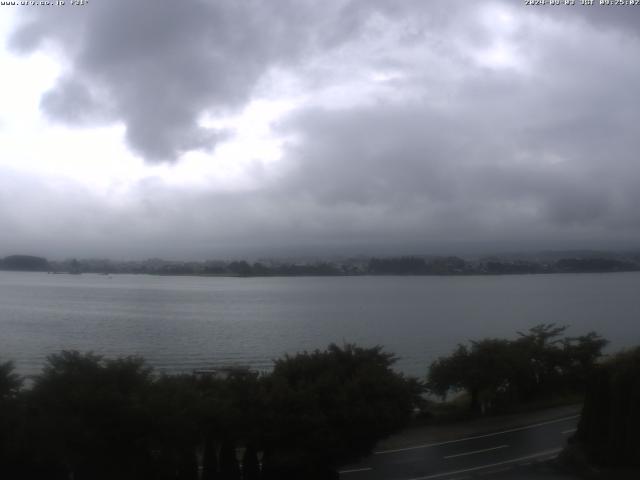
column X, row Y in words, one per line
column 27, row 263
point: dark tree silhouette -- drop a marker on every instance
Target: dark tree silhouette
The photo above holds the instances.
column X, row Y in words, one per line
column 10, row 382
column 485, row 371
column 87, row 417
column 496, row 373
column 610, row 421
column 229, row 467
column 250, row 464
column 91, row 415
column 331, row 406
column 209, row 460
column 24, row 263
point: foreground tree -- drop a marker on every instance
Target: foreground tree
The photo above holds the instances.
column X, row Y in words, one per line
column 544, row 369
column 173, row 406
column 250, row 463
column 581, row 358
column 328, row 407
column 610, row 421
column 496, row 373
column 88, row 416
column 485, row 372
column 12, row 438
column 10, row 382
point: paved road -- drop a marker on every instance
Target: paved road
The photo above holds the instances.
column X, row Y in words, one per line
column 486, row 454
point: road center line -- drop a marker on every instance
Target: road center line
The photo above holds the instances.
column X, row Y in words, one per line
column 518, row 429
column 482, row 467
column 567, row 432
column 355, row 470
column 496, row 470
column 477, row 451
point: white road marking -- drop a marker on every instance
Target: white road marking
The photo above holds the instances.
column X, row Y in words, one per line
column 476, row 451
column 354, row 470
column 567, row 432
column 429, row 445
column 496, row 470
column 490, row 465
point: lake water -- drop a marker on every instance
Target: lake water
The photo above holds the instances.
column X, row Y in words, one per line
column 181, row 323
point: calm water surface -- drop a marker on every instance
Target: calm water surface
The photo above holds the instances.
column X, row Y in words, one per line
column 181, row 323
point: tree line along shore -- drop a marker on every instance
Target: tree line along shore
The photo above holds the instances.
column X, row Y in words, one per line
column 89, row 417
column 404, row 265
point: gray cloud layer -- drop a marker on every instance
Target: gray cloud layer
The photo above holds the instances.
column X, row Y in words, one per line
column 158, row 65
column 455, row 149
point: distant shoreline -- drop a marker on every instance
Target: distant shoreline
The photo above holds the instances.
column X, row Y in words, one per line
column 342, row 267
column 231, row 275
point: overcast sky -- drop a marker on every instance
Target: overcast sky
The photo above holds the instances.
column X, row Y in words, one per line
column 200, row 129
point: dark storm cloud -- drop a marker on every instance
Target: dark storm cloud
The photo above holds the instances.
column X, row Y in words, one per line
column 72, row 102
column 158, row 66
